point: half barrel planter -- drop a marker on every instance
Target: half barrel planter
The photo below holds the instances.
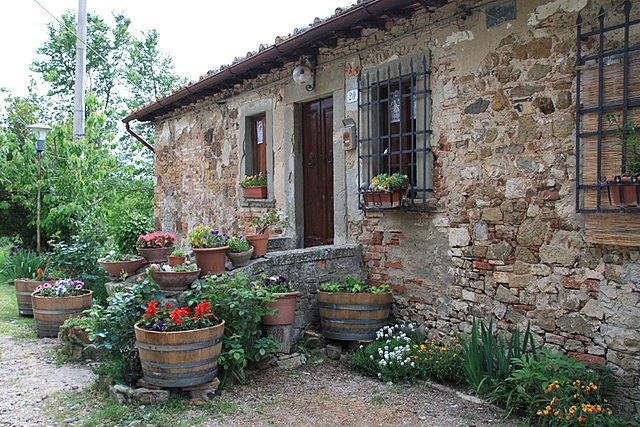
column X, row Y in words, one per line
column 155, row 255
column 353, row 316
column 179, row 359
column 211, row 260
column 51, row 312
column 285, row 309
column 24, row 289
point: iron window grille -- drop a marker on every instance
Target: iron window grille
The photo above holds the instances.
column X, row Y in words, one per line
column 395, row 135
column 608, row 86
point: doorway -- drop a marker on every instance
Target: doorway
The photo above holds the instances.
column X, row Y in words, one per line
column 317, row 152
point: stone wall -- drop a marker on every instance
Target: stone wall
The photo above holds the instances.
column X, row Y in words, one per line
column 504, row 241
column 308, row 269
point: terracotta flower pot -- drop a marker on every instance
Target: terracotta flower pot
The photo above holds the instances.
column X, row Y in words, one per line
column 51, row 312
column 260, row 243
column 175, row 260
column 174, row 280
column 115, row 269
column 257, row 192
column 155, row 255
column 24, row 289
column 179, row 359
column 211, row 260
column 628, row 190
column 383, row 199
column 285, row 306
column 240, row 259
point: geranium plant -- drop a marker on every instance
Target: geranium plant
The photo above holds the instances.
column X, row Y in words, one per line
column 386, row 182
column 167, row 318
column 61, row 288
column 254, row 180
column 278, row 285
column 238, row 244
column 156, row 239
column 206, row 237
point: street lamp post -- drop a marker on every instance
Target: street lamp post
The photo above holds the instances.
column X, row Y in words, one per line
column 40, row 131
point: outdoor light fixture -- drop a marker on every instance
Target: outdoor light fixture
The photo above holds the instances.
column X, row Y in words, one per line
column 303, row 75
column 40, row 131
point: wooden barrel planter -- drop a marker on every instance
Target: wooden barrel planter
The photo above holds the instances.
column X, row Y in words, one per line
column 51, row 312
column 180, row 359
column 24, row 289
column 353, row 316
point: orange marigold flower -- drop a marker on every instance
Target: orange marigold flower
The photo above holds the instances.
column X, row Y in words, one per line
column 582, row 418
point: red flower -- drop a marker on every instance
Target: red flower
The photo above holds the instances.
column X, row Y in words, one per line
column 178, row 313
column 202, row 309
column 40, row 273
column 151, row 310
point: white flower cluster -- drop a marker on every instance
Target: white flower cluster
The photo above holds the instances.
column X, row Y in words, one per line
column 398, row 354
column 395, row 333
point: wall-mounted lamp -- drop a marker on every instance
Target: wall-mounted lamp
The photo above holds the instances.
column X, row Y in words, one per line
column 349, row 141
column 303, row 75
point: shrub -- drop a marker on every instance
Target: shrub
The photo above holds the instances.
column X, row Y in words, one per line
column 488, row 357
column 398, row 354
column 113, row 325
column 20, row 263
column 239, row 302
column 125, row 231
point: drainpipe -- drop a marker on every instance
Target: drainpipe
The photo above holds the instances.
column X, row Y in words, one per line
column 139, row 138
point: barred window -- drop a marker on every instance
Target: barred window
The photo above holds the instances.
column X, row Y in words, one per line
column 395, row 136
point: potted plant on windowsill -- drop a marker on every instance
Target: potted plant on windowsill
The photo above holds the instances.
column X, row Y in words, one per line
column 240, row 251
column 624, row 189
column 284, row 305
column 118, row 265
column 385, row 190
column 353, row 310
column 179, row 346
column 156, row 246
column 209, row 247
column 177, row 257
column 254, row 186
column 260, row 240
column 55, row 303
column 174, row 278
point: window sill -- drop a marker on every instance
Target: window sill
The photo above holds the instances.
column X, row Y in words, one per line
column 257, row 203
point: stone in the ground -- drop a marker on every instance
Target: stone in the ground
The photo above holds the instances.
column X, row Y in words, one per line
column 334, row 351
column 289, row 361
column 120, row 393
column 314, row 339
column 147, row 396
column 283, row 334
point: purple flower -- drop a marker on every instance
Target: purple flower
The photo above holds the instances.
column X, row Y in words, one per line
column 38, row 288
column 215, row 232
column 46, row 286
column 78, row 286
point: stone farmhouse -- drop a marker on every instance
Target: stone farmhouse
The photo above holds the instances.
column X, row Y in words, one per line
column 502, row 114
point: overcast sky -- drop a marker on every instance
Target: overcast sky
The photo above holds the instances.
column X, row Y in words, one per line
column 198, row 34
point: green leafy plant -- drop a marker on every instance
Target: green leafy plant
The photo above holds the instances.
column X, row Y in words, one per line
column 116, row 257
column 352, row 285
column 254, row 180
column 61, row 288
column 277, row 284
column 488, row 357
column 20, row 263
column 125, row 229
column 179, row 268
column 113, row 327
column 270, row 219
column 239, row 302
column 630, row 142
column 238, row 244
column 526, row 389
column 178, row 252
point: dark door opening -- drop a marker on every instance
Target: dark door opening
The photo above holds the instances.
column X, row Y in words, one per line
column 317, row 151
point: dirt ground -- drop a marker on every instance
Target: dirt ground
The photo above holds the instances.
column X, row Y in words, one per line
column 327, row 394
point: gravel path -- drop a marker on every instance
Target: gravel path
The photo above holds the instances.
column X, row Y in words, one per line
column 28, row 377
column 328, row 394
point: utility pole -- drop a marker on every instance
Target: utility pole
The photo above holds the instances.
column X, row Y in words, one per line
column 81, row 59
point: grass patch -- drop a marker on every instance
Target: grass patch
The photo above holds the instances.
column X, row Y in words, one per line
column 11, row 323
column 93, row 407
column 378, row 399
